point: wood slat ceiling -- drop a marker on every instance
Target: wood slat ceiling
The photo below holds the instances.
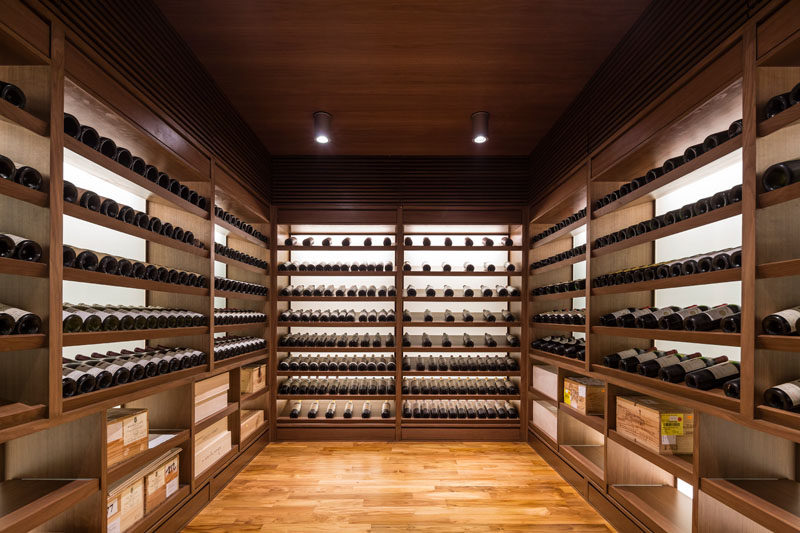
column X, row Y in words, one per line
column 401, row 77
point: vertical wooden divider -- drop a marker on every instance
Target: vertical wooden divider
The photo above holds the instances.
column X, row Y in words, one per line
column 210, row 239
column 524, row 320
column 399, row 257
column 272, row 335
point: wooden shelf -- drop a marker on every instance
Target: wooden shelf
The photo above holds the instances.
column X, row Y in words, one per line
column 778, row 269
column 94, row 217
column 663, row 509
column 79, row 339
column 336, row 298
column 701, row 337
column 343, row 373
column 681, row 466
column 779, row 196
column 250, row 395
column 716, row 215
column 570, row 230
column 789, row 419
column 19, row 117
column 122, row 469
column 461, row 273
column 579, row 328
column 239, row 295
column 232, row 231
column 463, row 248
column 334, row 349
column 461, row 373
column 560, row 264
column 558, row 360
column 239, row 264
column 706, row 278
column 462, row 397
column 462, row 298
column 241, row 359
column 462, row 324
column 13, row 343
column 596, row 422
column 559, row 296
column 337, row 273
column 237, row 327
column 336, row 324
column 20, row 192
column 590, row 459
column 773, row 503
column 28, row 503
column 699, row 168
column 344, row 397
column 93, row 162
column 99, row 278
column 778, row 122
column 219, row 415
column 284, row 248
column 161, row 510
column 784, row 343
column 491, row 423
column 416, row 346
column 338, row 421
column 16, row 267
column 15, row 413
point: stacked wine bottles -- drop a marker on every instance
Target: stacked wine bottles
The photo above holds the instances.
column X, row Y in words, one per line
column 568, row 346
column 101, row 317
column 338, row 363
column 24, row 175
column 553, row 259
column 459, row 409
column 236, row 255
column 328, row 242
column 305, row 266
column 21, row 248
column 244, row 287
column 468, row 266
column 693, row 318
column 563, row 316
column 336, row 315
column 460, row 363
column 460, row 386
column 335, row 340
column 233, row 220
column 465, row 340
column 228, row 316
column 232, row 345
column 561, row 225
column 328, row 291
column 696, row 264
column 465, row 316
column 566, row 286
column 448, row 241
column 499, row 291
column 343, row 386
column 332, row 409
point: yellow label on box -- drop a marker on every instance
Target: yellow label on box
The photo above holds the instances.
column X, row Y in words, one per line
column 672, row 423
column 567, row 397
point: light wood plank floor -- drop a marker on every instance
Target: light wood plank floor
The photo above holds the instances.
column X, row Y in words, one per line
column 398, row 486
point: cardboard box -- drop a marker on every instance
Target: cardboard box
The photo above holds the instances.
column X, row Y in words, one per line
column 253, row 378
column 545, row 417
column 211, row 450
column 545, row 380
column 251, row 420
column 210, row 396
column 125, row 504
column 126, row 434
column 657, row 425
column 586, row 395
column 162, row 479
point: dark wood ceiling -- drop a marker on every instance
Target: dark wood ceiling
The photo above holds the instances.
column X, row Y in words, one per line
column 401, row 77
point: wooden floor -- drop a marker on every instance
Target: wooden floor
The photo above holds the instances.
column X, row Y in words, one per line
column 398, row 486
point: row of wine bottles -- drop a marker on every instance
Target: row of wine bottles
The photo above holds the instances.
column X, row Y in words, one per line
column 567, row 346
column 26, row 176
column 781, row 102
column 100, row 317
column 232, row 345
column 85, row 374
column 468, row 267
column 566, row 286
column 466, row 316
column 364, row 386
column 336, row 315
column 332, row 340
column 236, row 255
column 89, row 136
column 331, row 410
column 226, row 316
column 564, row 316
column 573, row 252
column 130, row 268
column 695, row 264
column 460, row 363
column 780, row 175
column 233, row 220
column 453, row 409
column 15, row 321
column 244, row 287
column 700, row 207
column 12, row 94
column 106, row 206
column 16, row 247
column 708, row 144
column 341, row 290
column 485, row 241
column 305, row 266
column 338, row 363
column 327, row 242
column 561, row 225
column 459, row 386
column 425, row 341
column 692, row 318
column 485, row 291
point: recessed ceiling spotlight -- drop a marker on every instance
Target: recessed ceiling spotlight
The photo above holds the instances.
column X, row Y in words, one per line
column 480, row 127
column 322, row 127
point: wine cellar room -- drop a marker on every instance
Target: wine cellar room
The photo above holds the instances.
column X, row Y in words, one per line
column 400, row 266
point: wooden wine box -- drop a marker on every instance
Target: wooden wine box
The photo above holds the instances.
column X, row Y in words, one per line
column 125, row 504
column 657, row 425
column 126, row 433
column 210, row 445
column 251, row 420
column 253, row 378
column 211, row 396
column 161, row 479
column 545, row 380
column 545, row 417
column 586, row 395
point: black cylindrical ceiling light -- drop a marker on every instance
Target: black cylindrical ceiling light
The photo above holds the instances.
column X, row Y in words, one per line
column 480, row 127
column 322, row 127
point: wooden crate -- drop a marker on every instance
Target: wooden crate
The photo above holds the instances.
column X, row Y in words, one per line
column 211, row 396
column 126, row 433
column 162, row 479
column 125, row 504
column 253, row 378
column 251, row 420
column 545, row 417
column 211, row 450
column 545, row 380
column 657, row 425
column 584, row 394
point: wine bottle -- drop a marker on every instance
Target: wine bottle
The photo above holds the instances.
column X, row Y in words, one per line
column 469, row 267
column 780, row 175
column 712, row 376
column 330, row 411
column 20, row 248
column 651, row 368
column 629, row 364
column 386, row 409
column 487, row 241
column 732, row 323
column 732, row 388
column 628, row 320
column 783, row 322
column 710, row 319
column 12, row 94
column 15, row 321
column 675, row 320
column 612, row 361
column 297, row 406
column 785, row 396
column 610, row 319
column 366, row 410
column 650, row 320
column 777, row 104
column 308, row 241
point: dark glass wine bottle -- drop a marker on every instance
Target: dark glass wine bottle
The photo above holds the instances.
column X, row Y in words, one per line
column 785, row 396
column 783, row 322
column 713, row 376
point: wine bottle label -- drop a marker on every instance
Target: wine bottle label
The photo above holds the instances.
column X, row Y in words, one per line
column 72, row 374
column 647, row 356
column 111, row 367
column 16, row 238
column 719, row 312
column 663, row 312
column 792, row 390
column 617, row 314
column 791, row 316
column 642, row 312
column 723, row 370
column 689, row 311
column 14, row 312
column 91, row 370
column 668, row 360
column 625, row 354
